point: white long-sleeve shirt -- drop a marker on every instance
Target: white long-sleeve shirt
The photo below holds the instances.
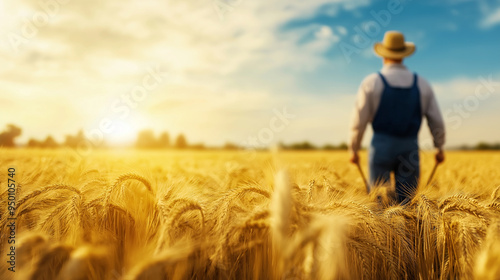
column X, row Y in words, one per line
column 370, row 93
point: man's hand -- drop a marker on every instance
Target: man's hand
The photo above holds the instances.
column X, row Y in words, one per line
column 354, row 158
column 439, row 156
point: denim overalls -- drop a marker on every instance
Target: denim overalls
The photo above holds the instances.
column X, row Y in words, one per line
column 394, row 147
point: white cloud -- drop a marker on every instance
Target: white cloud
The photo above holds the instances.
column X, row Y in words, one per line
column 324, row 32
column 492, row 18
column 91, row 52
column 456, row 88
column 187, row 35
column 467, row 104
column 341, row 30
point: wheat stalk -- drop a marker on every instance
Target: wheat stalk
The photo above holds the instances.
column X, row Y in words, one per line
column 36, row 193
column 123, row 178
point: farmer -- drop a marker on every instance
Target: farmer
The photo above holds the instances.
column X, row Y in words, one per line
column 394, row 101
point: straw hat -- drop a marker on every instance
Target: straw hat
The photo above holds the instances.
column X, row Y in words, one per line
column 394, row 46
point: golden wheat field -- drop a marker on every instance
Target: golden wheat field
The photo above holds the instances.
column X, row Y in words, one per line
column 235, row 215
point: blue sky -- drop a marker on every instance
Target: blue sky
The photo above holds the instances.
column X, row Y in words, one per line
column 223, row 73
column 451, row 40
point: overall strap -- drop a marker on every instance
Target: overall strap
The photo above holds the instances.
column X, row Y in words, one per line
column 415, row 80
column 383, row 80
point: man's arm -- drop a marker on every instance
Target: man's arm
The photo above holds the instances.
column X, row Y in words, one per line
column 359, row 120
column 436, row 126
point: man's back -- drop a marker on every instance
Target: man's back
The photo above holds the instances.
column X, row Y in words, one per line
column 370, row 93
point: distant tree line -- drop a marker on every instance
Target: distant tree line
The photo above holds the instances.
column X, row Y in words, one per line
column 481, row 146
column 305, row 145
column 8, row 136
column 70, row 141
column 146, row 139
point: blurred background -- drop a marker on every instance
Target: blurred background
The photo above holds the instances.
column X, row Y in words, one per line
column 241, row 73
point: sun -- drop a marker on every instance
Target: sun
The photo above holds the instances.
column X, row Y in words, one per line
column 121, row 134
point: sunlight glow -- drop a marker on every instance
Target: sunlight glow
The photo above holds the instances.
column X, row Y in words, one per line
column 121, row 134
